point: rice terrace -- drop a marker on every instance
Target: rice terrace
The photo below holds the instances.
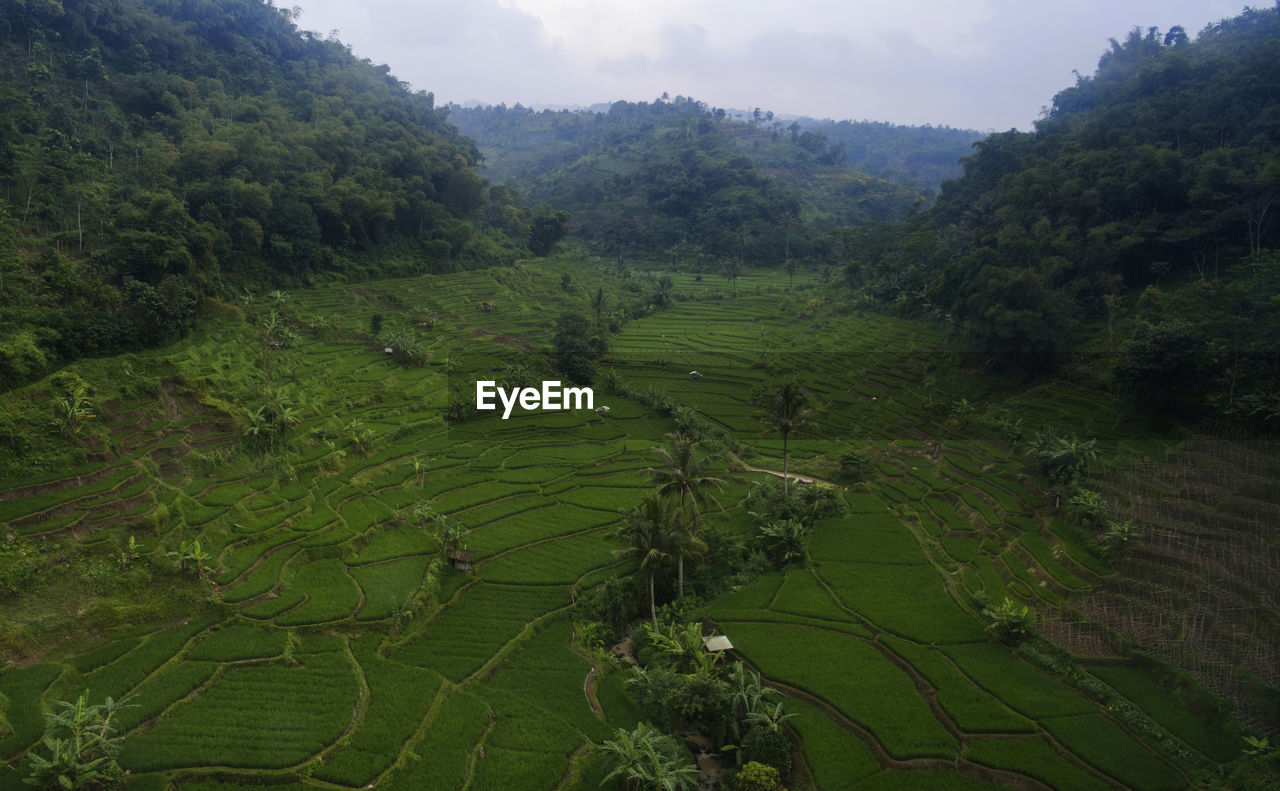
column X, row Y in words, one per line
column 348, row 441
column 337, row 644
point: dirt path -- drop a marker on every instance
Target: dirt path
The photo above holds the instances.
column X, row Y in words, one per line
column 794, row 477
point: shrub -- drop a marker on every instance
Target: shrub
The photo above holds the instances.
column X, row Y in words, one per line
column 756, row 776
column 854, row 464
column 1010, row 620
column 767, row 746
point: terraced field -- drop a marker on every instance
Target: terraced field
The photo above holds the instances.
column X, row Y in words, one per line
column 339, row 650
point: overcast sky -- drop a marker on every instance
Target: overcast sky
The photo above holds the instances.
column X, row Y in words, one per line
column 981, row 64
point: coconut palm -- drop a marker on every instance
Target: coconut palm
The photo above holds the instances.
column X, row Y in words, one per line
column 664, row 292
column 818, row 501
column 647, row 532
column 599, row 302
column 786, row 412
column 684, row 476
column 733, row 269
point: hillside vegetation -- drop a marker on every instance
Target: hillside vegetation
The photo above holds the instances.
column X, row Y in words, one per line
column 1131, row 235
column 679, row 180
column 299, row 558
column 956, row 511
column 153, row 155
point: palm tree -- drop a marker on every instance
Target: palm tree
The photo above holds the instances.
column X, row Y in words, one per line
column 647, row 533
column 685, row 477
column 599, row 302
column 818, row 501
column 785, row 411
column 732, row 270
column 784, row 540
column 663, row 293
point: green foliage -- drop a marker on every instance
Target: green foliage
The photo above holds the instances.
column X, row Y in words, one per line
column 854, row 464
column 81, row 745
column 1010, row 620
column 576, row 348
column 646, row 758
column 759, row 776
column 784, row 541
column 1128, row 186
column 675, row 179
column 211, row 146
column 1063, row 459
column 769, row 746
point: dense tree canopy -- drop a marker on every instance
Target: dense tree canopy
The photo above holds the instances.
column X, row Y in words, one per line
column 1143, row 203
column 152, row 154
column 677, row 180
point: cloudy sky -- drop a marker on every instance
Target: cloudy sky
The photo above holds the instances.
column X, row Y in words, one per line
column 982, row 64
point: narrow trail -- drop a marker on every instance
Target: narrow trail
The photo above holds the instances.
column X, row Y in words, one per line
column 793, row 476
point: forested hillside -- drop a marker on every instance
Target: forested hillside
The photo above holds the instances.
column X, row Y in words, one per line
column 1132, row 232
column 921, row 156
column 152, row 154
column 679, row 180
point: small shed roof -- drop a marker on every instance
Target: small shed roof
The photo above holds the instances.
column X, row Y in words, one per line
column 717, row 643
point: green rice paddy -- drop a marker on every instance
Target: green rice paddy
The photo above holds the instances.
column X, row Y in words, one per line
column 338, row 650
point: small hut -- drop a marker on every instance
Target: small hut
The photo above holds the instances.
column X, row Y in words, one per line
column 489, row 307
column 717, row 643
column 461, row 559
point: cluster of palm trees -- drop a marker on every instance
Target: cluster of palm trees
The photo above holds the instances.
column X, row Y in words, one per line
column 646, row 758
column 665, row 526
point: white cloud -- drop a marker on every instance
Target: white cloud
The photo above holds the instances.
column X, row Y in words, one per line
column 976, row 63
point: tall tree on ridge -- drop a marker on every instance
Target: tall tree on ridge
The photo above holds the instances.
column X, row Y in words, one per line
column 684, row 476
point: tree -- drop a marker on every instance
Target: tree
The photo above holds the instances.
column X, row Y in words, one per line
column 647, row 759
column 819, row 502
column 576, row 348
column 192, row 557
column 732, row 269
column 663, row 292
column 647, row 532
column 784, row 541
column 454, row 535
column 684, row 476
column 756, row 776
column 82, row 745
column 599, row 302
column 785, row 412
column 1010, row 620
